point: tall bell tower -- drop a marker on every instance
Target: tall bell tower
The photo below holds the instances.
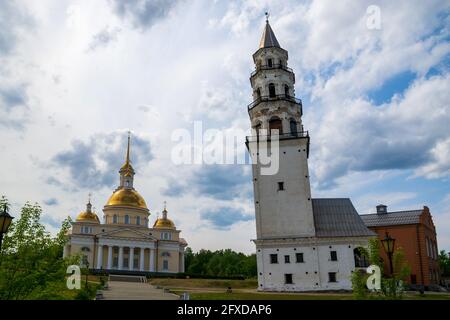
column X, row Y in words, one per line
column 283, row 205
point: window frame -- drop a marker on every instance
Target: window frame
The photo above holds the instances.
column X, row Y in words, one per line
column 333, row 255
column 297, row 255
column 332, row 277
column 273, row 258
column 290, row 277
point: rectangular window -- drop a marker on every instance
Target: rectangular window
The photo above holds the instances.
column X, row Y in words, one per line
column 280, row 186
column 413, row 279
column 333, row 255
column 165, row 265
column 299, row 257
column 287, row 259
column 332, row 277
column 288, row 278
column 273, row 258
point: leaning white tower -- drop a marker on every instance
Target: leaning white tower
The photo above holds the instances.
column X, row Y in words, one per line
column 283, row 199
column 302, row 244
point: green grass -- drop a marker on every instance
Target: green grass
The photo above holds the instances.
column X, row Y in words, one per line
column 205, row 283
column 261, row 296
column 239, row 295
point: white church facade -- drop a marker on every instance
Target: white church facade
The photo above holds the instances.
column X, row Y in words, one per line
column 124, row 242
column 302, row 244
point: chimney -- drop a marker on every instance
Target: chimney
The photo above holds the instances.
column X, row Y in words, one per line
column 381, row 209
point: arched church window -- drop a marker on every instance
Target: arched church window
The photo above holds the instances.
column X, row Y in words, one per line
column 275, row 124
column 115, row 218
column 127, row 219
column 293, row 126
column 269, row 63
column 127, row 183
column 272, row 90
column 361, row 260
column 138, row 220
column 286, row 90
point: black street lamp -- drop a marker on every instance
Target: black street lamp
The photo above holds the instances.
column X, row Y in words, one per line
column 388, row 245
column 5, row 222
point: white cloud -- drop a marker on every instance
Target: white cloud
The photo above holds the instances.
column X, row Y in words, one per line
column 191, row 62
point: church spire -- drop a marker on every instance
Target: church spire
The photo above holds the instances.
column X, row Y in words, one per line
column 268, row 38
column 127, row 161
column 127, row 171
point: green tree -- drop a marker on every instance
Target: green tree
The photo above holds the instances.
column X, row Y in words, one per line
column 444, row 263
column 31, row 264
column 391, row 287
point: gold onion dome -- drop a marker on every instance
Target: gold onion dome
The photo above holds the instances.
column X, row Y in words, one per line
column 88, row 215
column 125, row 195
column 127, row 198
column 164, row 222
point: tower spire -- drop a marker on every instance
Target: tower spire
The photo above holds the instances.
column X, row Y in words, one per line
column 164, row 212
column 268, row 38
column 127, row 171
column 127, row 161
column 89, row 205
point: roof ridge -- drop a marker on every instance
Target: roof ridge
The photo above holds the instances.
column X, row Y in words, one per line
column 389, row 212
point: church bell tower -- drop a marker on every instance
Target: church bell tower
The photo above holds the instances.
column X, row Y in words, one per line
column 283, row 205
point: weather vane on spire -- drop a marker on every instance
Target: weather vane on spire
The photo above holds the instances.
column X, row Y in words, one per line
column 89, row 197
column 267, row 16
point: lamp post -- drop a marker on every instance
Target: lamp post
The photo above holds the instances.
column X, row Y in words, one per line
column 388, row 245
column 5, row 222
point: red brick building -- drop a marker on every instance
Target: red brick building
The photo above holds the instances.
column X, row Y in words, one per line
column 413, row 231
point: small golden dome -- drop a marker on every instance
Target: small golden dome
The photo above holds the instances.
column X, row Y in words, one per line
column 128, row 198
column 164, row 222
column 87, row 217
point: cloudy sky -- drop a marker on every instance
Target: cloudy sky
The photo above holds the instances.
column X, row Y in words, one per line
column 75, row 76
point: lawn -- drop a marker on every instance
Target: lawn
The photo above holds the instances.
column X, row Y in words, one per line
column 215, row 289
column 205, row 283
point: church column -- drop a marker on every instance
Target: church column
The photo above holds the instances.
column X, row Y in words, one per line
column 110, row 255
column 120, row 258
column 131, row 258
column 141, row 259
column 152, row 260
column 182, row 262
column 99, row 256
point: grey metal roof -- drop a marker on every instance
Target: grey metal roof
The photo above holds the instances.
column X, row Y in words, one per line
column 268, row 38
column 392, row 218
column 337, row 217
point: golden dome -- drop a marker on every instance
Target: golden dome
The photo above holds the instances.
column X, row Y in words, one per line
column 127, row 198
column 87, row 217
column 164, row 222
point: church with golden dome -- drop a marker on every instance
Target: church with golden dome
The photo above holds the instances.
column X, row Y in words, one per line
column 124, row 242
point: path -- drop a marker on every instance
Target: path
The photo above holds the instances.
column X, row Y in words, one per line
column 120, row 290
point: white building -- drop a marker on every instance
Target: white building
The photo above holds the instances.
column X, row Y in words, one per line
column 303, row 244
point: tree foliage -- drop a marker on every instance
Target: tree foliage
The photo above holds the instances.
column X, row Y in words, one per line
column 392, row 286
column 444, row 263
column 221, row 263
column 31, row 264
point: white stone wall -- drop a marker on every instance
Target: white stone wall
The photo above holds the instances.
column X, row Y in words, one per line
column 287, row 212
column 312, row 274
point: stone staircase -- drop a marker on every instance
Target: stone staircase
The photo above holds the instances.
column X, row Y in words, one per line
column 127, row 278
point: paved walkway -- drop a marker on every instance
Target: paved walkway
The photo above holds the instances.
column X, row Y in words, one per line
column 119, row 290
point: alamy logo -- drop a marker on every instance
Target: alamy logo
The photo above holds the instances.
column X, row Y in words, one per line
column 214, row 146
column 374, row 280
column 74, row 280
